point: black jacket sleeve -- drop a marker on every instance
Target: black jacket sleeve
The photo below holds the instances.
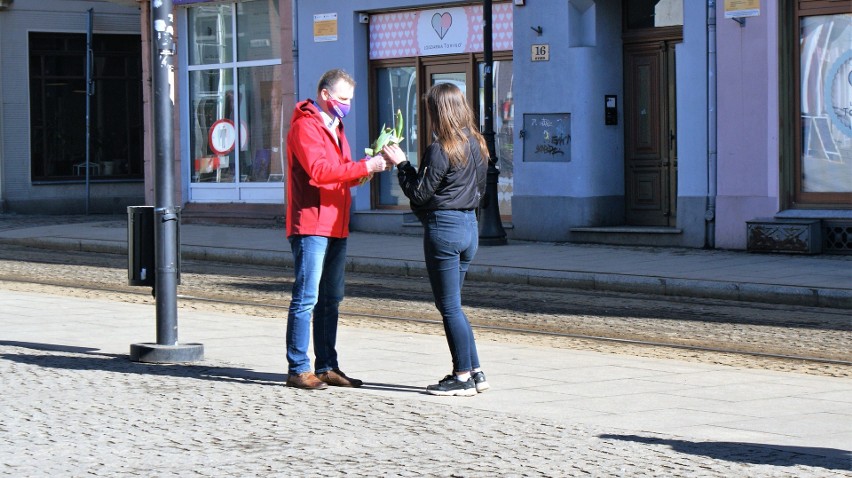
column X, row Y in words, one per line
column 419, row 185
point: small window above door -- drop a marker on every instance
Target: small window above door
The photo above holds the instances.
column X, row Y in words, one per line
column 641, row 14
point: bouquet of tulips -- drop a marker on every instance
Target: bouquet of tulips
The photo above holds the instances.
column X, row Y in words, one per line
column 387, row 136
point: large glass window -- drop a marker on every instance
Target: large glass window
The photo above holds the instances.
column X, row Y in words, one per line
column 234, row 88
column 58, row 107
column 211, row 37
column 826, row 103
column 396, row 89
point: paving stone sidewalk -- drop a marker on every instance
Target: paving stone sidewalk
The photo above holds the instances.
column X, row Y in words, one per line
column 72, row 404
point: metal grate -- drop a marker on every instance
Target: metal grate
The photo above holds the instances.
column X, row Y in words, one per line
column 837, row 237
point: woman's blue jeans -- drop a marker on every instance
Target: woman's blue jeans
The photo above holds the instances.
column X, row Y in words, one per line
column 450, row 241
column 319, row 264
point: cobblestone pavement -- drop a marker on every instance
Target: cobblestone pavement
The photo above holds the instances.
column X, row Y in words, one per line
column 78, row 411
column 71, row 411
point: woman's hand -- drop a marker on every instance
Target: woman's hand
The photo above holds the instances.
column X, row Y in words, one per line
column 394, row 154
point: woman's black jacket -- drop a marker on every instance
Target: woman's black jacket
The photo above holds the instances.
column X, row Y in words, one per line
column 438, row 185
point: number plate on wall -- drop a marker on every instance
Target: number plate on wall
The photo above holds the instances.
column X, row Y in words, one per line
column 540, row 52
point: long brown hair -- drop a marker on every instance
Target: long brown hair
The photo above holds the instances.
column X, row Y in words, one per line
column 450, row 116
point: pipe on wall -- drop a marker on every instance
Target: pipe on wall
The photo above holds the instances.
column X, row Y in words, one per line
column 712, row 154
column 295, row 22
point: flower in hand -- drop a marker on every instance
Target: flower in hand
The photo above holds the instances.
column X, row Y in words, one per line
column 376, row 164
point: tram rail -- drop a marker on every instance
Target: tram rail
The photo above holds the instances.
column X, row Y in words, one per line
column 529, row 331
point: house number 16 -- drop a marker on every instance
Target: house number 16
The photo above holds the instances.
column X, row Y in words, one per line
column 541, row 52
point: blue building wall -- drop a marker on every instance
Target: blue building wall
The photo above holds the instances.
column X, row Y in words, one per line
column 552, row 197
column 585, row 64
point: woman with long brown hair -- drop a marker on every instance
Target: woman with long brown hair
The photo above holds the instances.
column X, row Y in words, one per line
column 444, row 192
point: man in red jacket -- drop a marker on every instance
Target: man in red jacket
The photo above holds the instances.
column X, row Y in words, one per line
column 320, row 173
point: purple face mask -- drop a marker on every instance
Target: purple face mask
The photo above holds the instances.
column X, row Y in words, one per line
column 336, row 107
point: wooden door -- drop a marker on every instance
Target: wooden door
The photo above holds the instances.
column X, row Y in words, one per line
column 650, row 134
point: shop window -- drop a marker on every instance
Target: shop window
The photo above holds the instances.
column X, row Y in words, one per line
column 235, row 105
column 396, row 89
column 821, row 154
column 58, row 107
column 210, row 35
column 826, row 103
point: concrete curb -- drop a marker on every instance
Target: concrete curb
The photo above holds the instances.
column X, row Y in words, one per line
column 607, row 282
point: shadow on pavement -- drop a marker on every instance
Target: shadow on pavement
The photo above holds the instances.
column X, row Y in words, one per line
column 753, row 453
column 90, row 359
column 393, row 387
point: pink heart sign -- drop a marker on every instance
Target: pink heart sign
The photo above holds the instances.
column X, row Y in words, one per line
column 441, row 22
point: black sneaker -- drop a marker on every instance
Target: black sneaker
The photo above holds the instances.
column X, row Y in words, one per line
column 479, row 381
column 451, row 386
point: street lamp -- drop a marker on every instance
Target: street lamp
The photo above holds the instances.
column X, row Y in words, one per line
column 491, row 232
column 166, row 214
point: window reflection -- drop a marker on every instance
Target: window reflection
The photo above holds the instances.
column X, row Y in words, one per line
column 210, row 37
column 258, row 32
column 235, row 109
column 396, row 89
column 261, row 158
column 213, row 134
column 826, row 83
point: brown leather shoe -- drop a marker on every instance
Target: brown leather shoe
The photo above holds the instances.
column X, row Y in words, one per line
column 307, row 381
column 336, row 378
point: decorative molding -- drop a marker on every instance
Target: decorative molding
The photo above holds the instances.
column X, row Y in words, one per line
column 778, row 235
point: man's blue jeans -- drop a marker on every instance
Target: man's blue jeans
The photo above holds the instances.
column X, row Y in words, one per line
column 319, row 264
column 450, row 241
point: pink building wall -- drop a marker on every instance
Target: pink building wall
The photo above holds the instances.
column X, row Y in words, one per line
column 748, row 123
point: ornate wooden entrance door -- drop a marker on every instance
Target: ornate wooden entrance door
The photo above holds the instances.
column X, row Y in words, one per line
column 650, row 134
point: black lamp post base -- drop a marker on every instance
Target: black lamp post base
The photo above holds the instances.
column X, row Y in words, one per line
column 155, row 353
column 491, row 232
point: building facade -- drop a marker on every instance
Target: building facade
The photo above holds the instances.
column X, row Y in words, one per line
column 642, row 122
column 49, row 106
column 784, row 137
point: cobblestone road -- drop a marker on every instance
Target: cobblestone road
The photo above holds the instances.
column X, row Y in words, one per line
column 75, row 412
column 767, row 328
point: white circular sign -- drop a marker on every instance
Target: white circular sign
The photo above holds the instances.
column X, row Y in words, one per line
column 222, row 136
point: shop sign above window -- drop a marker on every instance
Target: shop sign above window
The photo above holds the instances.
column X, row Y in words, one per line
column 438, row 31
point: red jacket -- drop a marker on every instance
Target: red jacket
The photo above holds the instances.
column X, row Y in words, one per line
column 320, row 173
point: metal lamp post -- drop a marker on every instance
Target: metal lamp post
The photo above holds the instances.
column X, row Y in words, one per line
column 491, row 232
column 166, row 215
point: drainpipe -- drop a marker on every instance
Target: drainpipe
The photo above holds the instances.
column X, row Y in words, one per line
column 295, row 14
column 710, row 211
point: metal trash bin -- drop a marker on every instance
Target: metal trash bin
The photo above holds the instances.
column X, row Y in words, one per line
column 141, row 244
column 141, row 261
